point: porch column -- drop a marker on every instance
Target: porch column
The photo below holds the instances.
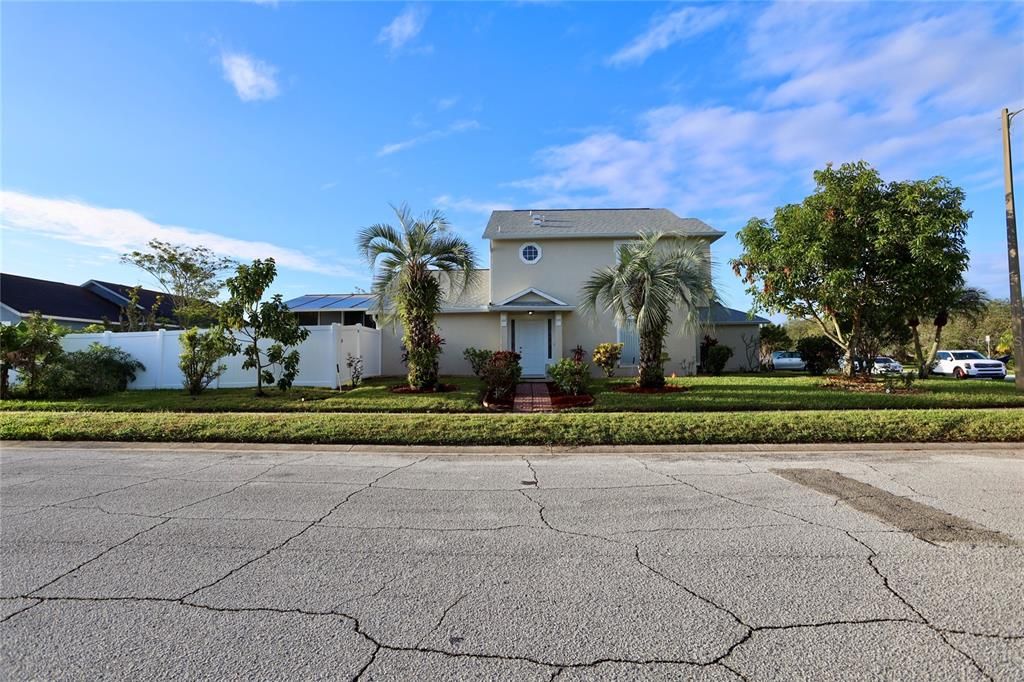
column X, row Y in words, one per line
column 556, row 339
column 503, row 342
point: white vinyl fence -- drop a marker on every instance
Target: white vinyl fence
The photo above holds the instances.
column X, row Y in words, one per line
column 322, row 362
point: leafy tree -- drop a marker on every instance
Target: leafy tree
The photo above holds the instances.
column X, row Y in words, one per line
column 134, row 318
column 259, row 320
column 773, row 337
column 853, row 255
column 648, row 280
column 30, row 347
column 418, row 265
column 191, row 276
column 201, row 353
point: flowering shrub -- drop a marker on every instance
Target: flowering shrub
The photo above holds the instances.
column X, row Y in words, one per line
column 501, row 374
column 570, row 376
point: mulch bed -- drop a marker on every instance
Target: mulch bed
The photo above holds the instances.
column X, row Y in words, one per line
column 440, row 388
column 665, row 389
column 864, row 385
column 563, row 401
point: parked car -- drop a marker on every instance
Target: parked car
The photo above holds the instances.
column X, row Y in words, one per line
column 881, row 365
column 967, row 363
column 788, row 359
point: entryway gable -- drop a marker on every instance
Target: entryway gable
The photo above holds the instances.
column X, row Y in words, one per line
column 532, row 295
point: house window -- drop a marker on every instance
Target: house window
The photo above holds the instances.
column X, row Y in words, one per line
column 529, row 253
column 630, row 340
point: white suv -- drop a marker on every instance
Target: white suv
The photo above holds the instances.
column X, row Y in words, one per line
column 967, row 363
column 788, row 359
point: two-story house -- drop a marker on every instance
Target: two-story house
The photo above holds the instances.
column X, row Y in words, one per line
column 527, row 300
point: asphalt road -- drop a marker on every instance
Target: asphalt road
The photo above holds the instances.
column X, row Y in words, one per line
column 296, row 564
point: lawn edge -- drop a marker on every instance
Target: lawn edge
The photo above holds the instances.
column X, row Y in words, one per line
column 961, row 425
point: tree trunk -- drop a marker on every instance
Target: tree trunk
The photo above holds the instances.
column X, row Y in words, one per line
column 421, row 360
column 932, row 350
column 652, row 374
column 4, row 380
column 922, row 368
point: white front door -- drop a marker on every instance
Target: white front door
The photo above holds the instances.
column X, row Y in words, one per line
column 532, row 346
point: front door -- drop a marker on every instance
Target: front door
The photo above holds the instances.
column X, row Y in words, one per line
column 532, row 346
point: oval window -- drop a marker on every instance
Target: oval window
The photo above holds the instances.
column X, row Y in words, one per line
column 529, row 253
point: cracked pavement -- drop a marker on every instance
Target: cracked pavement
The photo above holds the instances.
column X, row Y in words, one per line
column 129, row 562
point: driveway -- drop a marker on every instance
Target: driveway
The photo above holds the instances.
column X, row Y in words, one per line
column 320, row 563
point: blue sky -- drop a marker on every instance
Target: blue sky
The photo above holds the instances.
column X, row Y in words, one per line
column 282, row 128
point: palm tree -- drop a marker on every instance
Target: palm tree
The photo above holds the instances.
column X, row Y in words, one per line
column 417, row 265
column 643, row 286
column 968, row 302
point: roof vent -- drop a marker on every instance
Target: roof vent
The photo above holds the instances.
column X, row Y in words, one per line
column 537, row 219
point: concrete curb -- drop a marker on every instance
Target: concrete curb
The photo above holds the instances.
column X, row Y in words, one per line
column 768, row 451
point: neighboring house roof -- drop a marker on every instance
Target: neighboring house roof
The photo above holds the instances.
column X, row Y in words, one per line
column 316, row 303
column 593, row 222
column 25, row 295
column 720, row 315
column 118, row 294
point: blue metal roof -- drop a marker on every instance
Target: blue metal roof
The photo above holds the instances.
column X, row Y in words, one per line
column 327, row 302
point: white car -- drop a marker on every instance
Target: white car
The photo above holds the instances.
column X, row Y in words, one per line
column 788, row 359
column 884, row 365
column 968, row 363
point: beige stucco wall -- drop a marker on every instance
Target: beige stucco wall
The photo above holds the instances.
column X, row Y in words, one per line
column 563, row 267
column 459, row 330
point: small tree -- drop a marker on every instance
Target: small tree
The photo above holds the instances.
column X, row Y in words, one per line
column 190, row 275
column 258, row 320
column 200, row 357
column 751, row 347
column 29, row 348
column 134, row 318
column 819, row 353
column 773, row 337
column 649, row 279
column 354, row 364
column 607, row 356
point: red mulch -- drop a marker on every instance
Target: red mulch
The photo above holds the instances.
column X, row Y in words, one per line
column 665, row 389
column 563, row 401
column 440, row 388
column 863, row 385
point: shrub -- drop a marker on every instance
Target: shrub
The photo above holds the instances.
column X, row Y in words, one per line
column 501, row 374
column 570, row 376
column 98, row 370
column 607, row 356
column 819, row 353
column 422, row 362
column 200, row 356
column 354, row 363
column 31, row 348
column 477, row 359
column 904, row 380
column 717, row 357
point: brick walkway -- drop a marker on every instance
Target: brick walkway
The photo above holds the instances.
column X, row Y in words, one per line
column 532, row 397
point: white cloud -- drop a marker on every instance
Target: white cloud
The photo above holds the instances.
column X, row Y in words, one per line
column 913, row 94
column 404, row 27
column 667, row 30
column 446, row 103
column 466, row 205
column 253, row 79
column 460, row 126
column 121, row 230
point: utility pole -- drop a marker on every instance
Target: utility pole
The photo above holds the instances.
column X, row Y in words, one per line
column 1012, row 255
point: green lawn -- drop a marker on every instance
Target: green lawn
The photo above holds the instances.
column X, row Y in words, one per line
column 374, row 395
column 730, row 393
column 851, row 426
column 736, row 392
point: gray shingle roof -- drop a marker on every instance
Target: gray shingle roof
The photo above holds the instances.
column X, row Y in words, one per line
column 592, row 222
column 722, row 315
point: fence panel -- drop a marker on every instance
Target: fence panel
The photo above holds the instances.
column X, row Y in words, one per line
column 322, row 358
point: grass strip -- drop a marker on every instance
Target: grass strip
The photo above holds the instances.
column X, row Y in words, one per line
column 850, row 426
